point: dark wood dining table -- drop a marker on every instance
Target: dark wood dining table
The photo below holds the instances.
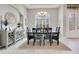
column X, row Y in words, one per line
column 42, row 33
column 54, row 34
column 31, row 33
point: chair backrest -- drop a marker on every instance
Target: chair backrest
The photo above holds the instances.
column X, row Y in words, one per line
column 36, row 29
column 57, row 29
column 56, row 35
column 47, row 29
column 33, row 30
column 28, row 30
column 36, row 34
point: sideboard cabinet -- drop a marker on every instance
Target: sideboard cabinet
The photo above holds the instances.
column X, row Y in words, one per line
column 10, row 37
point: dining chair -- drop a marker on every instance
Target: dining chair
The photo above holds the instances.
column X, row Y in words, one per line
column 29, row 35
column 47, row 35
column 37, row 35
column 55, row 36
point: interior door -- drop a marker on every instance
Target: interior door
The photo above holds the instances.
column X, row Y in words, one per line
column 72, row 23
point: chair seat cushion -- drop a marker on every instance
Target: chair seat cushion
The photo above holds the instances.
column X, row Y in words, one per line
column 38, row 36
column 47, row 36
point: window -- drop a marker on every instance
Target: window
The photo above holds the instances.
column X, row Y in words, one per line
column 42, row 19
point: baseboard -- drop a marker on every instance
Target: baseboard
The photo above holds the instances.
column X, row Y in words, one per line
column 72, row 37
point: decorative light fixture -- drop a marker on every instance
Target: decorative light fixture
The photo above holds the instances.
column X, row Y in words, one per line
column 42, row 13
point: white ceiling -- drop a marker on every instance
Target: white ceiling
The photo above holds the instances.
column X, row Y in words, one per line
column 42, row 5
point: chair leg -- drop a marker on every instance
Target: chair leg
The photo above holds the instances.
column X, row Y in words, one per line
column 43, row 42
column 50, row 42
column 34, row 42
column 27, row 42
column 40, row 42
column 57, row 42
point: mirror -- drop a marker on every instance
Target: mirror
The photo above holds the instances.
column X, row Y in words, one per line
column 10, row 20
column 10, row 17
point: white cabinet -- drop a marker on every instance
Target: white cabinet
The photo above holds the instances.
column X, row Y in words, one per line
column 4, row 38
column 19, row 34
column 10, row 37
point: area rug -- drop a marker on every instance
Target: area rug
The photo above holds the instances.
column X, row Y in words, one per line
column 61, row 47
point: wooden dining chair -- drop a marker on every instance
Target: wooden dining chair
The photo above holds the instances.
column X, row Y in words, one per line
column 37, row 35
column 29, row 35
column 47, row 35
column 55, row 35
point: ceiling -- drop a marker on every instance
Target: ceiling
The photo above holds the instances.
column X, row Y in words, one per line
column 42, row 5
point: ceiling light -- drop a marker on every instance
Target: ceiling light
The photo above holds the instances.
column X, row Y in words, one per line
column 42, row 13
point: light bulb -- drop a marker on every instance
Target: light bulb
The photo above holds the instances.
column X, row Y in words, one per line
column 45, row 13
column 41, row 12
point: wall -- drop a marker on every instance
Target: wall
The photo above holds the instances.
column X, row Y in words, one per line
column 62, row 20
column 53, row 12
column 23, row 10
column 6, row 8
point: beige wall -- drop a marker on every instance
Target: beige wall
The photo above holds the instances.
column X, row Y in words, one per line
column 53, row 12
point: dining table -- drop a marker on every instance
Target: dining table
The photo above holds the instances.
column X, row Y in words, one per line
column 52, row 34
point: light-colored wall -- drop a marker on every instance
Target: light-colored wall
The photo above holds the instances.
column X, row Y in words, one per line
column 53, row 12
column 23, row 10
column 6, row 8
column 62, row 20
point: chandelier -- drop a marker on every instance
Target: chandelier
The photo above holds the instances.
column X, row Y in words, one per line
column 42, row 13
